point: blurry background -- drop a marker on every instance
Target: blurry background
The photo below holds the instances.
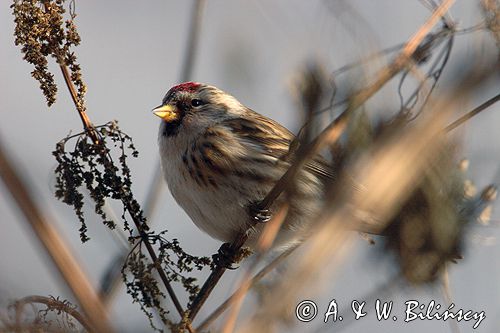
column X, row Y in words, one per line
column 131, row 54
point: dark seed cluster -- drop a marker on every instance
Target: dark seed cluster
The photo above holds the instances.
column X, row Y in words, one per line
column 91, row 166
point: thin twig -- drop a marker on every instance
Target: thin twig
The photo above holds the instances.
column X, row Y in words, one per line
column 472, row 113
column 446, row 290
column 54, row 244
column 257, row 277
column 87, row 124
column 156, row 262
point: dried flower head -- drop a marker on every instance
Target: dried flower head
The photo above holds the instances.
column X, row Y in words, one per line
column 42, row 31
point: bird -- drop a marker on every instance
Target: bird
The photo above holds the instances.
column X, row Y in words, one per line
column 220, row 158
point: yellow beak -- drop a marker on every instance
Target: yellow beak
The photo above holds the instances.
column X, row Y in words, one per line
column 167, row 112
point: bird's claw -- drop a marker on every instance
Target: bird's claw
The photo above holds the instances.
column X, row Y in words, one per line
column 258, row 214
column 225, row 257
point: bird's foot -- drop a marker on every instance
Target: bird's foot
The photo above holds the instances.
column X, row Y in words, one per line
column 225, row 257
column 259, row 215
column 228, row 257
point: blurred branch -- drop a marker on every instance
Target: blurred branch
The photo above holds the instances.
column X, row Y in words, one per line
column 58, row 251
column 389, row 173
column 447, row 295
column 265, row 241
column 192, row 40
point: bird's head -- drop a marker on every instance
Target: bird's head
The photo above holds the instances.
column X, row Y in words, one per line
column 192, row 107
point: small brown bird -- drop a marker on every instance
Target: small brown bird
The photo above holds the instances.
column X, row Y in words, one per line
column 219, row 158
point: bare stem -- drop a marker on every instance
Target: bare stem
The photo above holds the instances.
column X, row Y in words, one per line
column 87, row 124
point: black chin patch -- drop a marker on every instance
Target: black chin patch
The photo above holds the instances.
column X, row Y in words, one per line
column 170, row 129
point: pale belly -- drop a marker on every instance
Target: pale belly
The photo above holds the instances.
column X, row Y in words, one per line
column 221, row 211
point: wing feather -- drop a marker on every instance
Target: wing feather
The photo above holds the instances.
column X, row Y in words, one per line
column 268, row 137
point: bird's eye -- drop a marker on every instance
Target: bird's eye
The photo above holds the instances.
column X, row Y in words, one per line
column 197, row 102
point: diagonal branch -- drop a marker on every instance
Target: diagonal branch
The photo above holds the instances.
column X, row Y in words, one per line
column 128, row 205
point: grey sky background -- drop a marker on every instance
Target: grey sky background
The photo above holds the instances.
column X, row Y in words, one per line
column 131, row 54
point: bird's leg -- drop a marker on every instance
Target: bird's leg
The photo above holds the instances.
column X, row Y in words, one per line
column 258, row 214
